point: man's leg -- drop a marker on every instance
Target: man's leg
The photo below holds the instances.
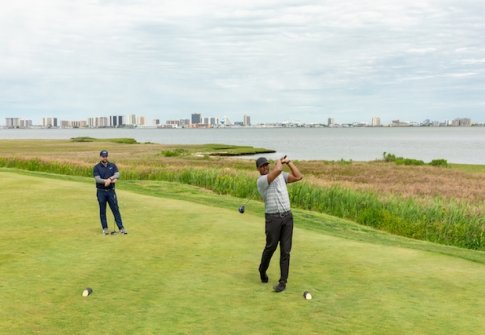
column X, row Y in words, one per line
column 285, row 247
column 101, row 195
column 272, row 230
column 113, row 204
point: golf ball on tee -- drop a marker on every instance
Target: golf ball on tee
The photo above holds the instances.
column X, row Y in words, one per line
column 87, row 291
column 307, row 295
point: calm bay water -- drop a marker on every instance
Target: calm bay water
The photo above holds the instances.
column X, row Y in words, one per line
column 457, row 145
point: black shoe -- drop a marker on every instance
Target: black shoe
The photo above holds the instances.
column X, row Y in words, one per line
column 263, row 276
column 280, row 287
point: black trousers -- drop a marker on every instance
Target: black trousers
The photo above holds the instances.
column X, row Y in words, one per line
column 108, row 196
column 279, row 229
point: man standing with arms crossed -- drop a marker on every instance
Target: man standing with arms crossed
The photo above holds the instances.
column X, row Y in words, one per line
column 106, row 174
column 278, row 216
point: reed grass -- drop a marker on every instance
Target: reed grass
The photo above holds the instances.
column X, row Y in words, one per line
column 440, row 221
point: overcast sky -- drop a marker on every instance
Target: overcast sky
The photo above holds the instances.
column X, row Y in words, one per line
column 273, row 60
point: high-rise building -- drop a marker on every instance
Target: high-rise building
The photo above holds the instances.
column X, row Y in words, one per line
column 130, row 120
column 102, row 122
column 25, row 123
column 12, row 122
column 140, row 121
column 116, row 121
column 376, row 121
column 246, row 120
column 330, row 121
column 196, row 118
column 184, row 123
column 50, row 122
column 464, row 122
column 91, row 122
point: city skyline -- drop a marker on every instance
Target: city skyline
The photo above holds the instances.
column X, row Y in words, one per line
column 291, row 61
column 196, row 120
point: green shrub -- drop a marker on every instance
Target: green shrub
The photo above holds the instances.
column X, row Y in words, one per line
column 175, row 153
column 125, row 140
column 439, row 162
column 410, row 161
column 83, row 139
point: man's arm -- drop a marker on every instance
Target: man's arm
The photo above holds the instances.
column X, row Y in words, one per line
column 278, row 168
column 115, row 177
column 99, row 180
column 96, row 176
column 295, row 174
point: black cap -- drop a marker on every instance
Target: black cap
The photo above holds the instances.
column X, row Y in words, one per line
column 103, row 153
column 261, row 161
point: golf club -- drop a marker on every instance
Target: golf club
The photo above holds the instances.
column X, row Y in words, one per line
column 243, row 207
column 114, row 232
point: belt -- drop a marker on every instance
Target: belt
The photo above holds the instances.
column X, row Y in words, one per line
column 105, row 189
column 279, row 215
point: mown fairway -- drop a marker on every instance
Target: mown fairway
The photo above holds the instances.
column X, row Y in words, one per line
column 191, row 268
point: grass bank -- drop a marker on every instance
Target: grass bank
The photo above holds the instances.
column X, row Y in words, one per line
column 190, row 267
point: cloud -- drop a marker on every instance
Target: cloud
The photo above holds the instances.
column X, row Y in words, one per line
column 272, row 59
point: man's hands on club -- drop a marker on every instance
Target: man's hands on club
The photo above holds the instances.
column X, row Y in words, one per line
column 109, row 181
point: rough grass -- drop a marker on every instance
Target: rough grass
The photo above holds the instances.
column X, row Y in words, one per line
column 460, row 182
column 188, row 267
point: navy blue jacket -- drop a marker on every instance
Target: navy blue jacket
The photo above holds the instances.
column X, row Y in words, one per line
column 104, row 172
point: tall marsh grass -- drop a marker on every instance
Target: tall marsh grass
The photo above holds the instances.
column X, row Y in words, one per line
column 441, row 221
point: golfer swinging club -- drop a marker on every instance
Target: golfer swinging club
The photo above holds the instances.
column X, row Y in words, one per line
column 106, row 174
column 278, row 216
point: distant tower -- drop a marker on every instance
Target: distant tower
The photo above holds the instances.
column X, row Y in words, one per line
column 116, row 121
column 12, row 122
column 140, row 120
column 49, row 122
column 196, row 118
column 331, row 121
column 376, row 121
column 130, row 120
column 246, row 120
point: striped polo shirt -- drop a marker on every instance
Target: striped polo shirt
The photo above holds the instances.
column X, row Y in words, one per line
column 275, row 195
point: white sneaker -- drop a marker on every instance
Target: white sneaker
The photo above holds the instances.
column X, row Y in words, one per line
column 123, row 231
column 105, row 231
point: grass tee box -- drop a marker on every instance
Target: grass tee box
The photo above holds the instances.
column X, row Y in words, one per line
column 191, row 268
